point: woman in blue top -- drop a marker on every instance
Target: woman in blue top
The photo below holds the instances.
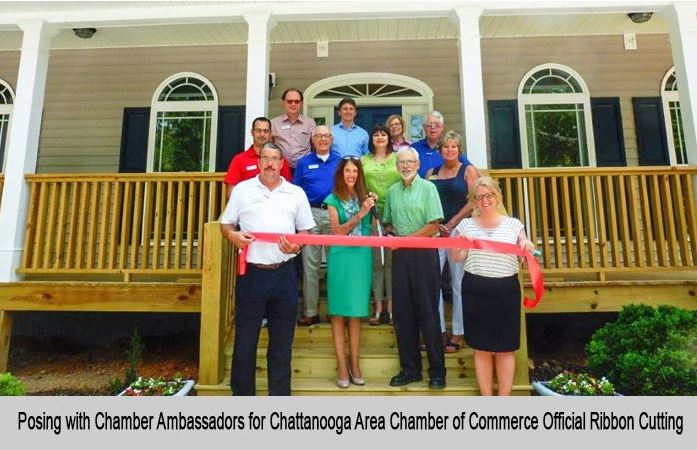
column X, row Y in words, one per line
column 454, row 179
column 349, row 268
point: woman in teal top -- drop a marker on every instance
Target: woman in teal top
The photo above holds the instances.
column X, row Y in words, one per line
column 348, row 268
column 380, row 167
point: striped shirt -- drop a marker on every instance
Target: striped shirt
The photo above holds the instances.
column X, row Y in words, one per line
column 486, row 263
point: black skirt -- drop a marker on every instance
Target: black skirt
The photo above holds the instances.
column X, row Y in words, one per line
column 491, row 312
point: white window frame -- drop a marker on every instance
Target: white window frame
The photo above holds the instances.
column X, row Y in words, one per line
column 157, row 106
column 7, row 109
column 411, row 105
column 555, row 99
column 666, row 98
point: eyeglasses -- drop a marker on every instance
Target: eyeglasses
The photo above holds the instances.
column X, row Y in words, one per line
column 433, row 126
column 270, row 159
column 406, row 162
column 351, row 158
column 293, row 102
column 261, row 130
column 488, row 196
column 396, row 125
column 322, row 136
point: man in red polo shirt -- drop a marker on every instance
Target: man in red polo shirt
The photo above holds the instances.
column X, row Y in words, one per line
column 245, row 165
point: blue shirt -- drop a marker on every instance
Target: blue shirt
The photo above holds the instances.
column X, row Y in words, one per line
column 349, row 141
column 316, row 177
column 430, row 157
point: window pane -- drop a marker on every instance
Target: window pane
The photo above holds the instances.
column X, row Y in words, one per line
column 183, row 141
column 186, row 89
column 678, row 134
column 5, row 96
column 556, row 135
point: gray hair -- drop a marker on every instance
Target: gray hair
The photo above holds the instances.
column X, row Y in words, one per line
column 436, row 115
column 272, row 146
column 405, row 148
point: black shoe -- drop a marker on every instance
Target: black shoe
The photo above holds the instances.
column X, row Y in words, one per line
column 436, row 383
column 403, row 378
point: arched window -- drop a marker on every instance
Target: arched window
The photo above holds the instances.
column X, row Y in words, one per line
column 183, row 124
column 555, row 118
column 6, row 103
column 673, row 118
column 378, row 95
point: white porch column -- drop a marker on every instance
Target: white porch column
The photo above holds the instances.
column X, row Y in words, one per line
column 471, row 86
column 258, row 48
column 23, row 143
column 682, row 19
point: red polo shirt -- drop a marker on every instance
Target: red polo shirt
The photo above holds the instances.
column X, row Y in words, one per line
column 245, row 165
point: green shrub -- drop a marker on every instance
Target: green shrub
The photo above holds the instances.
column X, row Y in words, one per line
column 648, row 351
column 9, row 385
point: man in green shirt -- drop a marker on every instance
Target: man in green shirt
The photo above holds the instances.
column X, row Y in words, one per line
column 413, row 208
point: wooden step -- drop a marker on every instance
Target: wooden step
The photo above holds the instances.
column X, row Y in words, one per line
column 327, row 386
column 320, row 362
column 321, row 335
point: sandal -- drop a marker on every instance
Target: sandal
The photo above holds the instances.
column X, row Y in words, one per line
column 376, row 319
column 458, row 339
column 390, row 320
column 450, row 347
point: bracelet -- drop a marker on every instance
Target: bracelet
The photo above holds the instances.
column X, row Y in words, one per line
column 300, row 249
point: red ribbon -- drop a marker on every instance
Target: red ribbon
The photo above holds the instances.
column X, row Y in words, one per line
column 409, row 242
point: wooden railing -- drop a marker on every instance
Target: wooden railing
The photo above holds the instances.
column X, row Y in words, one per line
column 217, row 303
column 119, row 223
column 600, row 220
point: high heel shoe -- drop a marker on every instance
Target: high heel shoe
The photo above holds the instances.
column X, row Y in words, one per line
column 354, row 380
column 343, row 384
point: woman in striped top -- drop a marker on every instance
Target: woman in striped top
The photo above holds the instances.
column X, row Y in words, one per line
column 490, row 288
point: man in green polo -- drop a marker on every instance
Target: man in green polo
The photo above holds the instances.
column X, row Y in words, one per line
column 412, row 208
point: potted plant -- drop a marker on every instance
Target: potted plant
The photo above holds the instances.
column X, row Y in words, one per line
column 145, row 387
column 571, row 383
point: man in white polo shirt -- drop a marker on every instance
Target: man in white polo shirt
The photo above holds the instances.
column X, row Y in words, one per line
column 265, row 203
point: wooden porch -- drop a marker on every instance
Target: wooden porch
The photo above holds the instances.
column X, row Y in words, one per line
column 150, row 243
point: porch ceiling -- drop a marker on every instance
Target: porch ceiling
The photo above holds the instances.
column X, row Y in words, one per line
column 492, row 26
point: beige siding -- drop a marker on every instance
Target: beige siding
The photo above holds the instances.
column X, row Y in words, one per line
column 9, row 64
column 87, row 91
column 608, row 69
column 432, row 61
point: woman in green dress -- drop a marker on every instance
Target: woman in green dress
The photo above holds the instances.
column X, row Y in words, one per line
column 349, row 268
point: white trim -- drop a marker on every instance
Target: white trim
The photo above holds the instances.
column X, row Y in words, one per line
column 315, row 107
column 666, row 98
column 542, row 99
column 157, row 106
column 6, row 109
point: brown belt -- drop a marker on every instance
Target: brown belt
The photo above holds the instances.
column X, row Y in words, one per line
column 268, row 266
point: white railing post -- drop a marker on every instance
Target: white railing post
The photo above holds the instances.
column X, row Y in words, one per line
column 23, row 144
column 259, row 26
column 471, row 85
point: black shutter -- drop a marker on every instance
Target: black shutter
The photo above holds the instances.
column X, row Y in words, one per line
column 650, row 131
column 230, row 135
column 504, row 134
column 134, row 140
column 607, row 129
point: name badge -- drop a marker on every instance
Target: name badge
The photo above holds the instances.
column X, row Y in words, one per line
column 313, row 166
column 252, row 167
column 285, row 127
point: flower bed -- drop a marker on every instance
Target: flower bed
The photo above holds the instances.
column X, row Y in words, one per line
column 144, row 387
column 570, row 383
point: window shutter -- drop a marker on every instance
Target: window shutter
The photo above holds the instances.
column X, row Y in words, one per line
column 134, row 140
column 504, row 134
column 650, row 131
column 607, row 128
column 230, row 135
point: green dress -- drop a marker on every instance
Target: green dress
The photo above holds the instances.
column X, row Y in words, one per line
column 349, row 270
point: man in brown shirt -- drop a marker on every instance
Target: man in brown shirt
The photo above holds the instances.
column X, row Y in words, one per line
column 292, row 131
